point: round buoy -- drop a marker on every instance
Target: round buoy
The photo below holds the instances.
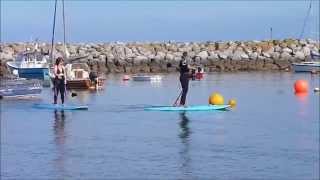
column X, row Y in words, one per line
column 232, row 102
column 126, row 77
column 301, row 86
column 216, row 99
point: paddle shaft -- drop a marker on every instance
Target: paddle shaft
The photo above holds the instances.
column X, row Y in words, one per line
column 175, row 102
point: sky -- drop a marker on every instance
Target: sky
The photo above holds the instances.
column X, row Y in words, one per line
column 127, row 21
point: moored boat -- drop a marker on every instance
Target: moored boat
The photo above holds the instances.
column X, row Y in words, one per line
column 141, row 77
column 20, row 87
column 78, row 76
column 308, row 66
column 30, row 64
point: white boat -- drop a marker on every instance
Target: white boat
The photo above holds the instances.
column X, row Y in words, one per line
column 30, row 64
column 140, row 77
column 20, row 87
column 308, row 66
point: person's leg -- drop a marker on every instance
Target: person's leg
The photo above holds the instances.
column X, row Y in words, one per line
column 184, row 84
column 62, row 90
column 56, row 93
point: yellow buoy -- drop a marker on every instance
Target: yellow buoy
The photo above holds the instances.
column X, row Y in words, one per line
column 216, row 99
column 232, row 102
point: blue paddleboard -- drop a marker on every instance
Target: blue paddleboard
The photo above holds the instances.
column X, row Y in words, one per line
column 60, row 107
column 188, row 108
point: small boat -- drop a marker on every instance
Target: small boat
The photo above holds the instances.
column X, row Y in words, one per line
column 140, row 77
column 308, row 66
column 20, row 87
column 30, row 64
column 78, row 77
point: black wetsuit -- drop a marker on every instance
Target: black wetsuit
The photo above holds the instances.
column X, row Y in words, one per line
column 59, row 86
column 184, row 79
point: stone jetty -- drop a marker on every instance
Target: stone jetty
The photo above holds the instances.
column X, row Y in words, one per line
column 155, row 57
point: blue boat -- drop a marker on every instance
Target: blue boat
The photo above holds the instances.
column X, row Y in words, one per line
column 31, row 65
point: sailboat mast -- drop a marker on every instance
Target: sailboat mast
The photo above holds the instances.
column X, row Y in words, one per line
column 53, row 29
column 305, row 20
column 66, row 53
column 64, row 25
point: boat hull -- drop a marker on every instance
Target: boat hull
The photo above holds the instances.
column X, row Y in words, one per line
column 30, row 73
column 20, row 87
column 306, row 67
column 146, row 78
column 79, row 84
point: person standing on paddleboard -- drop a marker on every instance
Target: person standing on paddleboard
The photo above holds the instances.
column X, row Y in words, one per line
column 184, row 77
column 59, row 80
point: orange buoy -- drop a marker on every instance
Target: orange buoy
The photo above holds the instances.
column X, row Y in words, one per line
column 126, row 77
column 216, row 99
column 232, row 102
column 301, row 86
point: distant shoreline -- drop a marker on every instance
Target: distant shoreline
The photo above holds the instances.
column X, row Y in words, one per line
column 135, row 57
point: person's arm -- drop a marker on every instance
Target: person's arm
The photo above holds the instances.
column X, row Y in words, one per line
column 189, row 65
column 55, row 69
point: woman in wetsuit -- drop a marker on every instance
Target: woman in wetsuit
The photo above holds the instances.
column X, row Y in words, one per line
column 184, row 77
column 59, row 80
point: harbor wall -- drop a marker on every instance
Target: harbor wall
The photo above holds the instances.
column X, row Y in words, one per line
column 156, row 57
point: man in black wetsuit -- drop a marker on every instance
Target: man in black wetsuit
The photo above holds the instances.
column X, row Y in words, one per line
column 184, row 77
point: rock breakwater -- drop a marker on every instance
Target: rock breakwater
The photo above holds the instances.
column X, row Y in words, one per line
column 157, row 57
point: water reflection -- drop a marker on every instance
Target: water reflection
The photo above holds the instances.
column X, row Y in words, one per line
column 184, row 135
column 59, row 140
column 185, row 130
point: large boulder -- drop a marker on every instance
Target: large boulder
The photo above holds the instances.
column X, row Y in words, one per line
column 265, row 54
column 287, row 50
column 306, row 51
column 299, row 55
column 283, row 64
column 6, row 56
column 253, row 55
column 277, row 49
column 237, row 55
column 203, row 55
column 275, row 55
column 285, row 56
column 140, row 60
column 169, row 57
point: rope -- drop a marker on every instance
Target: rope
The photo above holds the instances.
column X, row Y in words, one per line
column 54, row 25
column 305, row 20
column 64, row 25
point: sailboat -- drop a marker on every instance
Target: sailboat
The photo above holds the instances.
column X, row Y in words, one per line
column 78, row 75
column 308, row 66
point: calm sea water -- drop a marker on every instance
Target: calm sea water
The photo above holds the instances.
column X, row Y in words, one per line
column 271, row 134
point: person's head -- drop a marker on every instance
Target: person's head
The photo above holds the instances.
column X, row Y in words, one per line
column 185, row 54
column 59, row 60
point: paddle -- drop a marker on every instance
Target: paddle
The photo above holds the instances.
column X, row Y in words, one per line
column 175, row 102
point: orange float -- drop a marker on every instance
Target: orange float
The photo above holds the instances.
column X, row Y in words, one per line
column 301, row 86
column 126, row 78
column 216, row 99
